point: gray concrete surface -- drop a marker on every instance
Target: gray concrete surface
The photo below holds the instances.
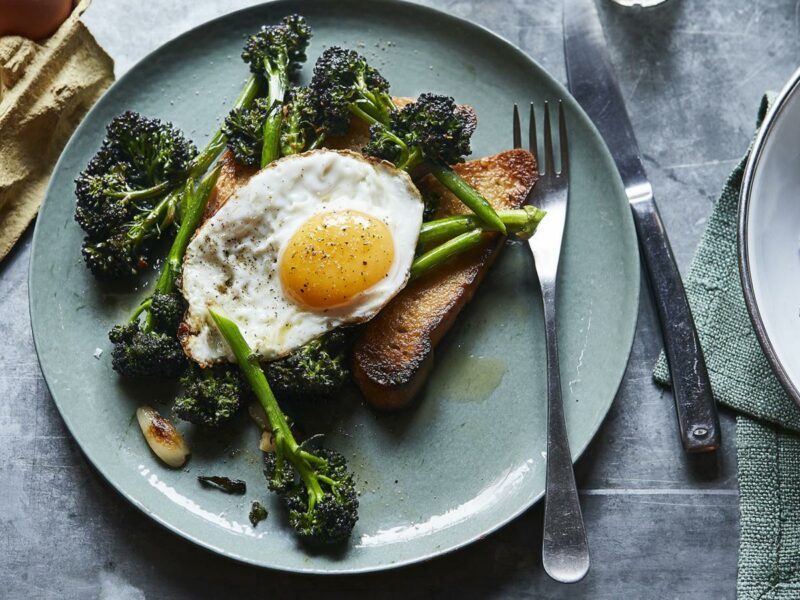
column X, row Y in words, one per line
column 660, row 525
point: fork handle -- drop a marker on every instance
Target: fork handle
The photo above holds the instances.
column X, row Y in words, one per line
column 565, row 550
column 698, row 420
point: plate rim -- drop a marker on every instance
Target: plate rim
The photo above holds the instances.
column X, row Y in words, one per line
column 424, row 557
column 743, row 218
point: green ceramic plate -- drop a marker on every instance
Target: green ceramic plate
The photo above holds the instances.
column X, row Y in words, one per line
column 469, row 455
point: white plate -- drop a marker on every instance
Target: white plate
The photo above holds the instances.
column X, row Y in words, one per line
column 769, row 236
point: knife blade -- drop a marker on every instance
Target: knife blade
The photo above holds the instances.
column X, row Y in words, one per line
column 594, row 85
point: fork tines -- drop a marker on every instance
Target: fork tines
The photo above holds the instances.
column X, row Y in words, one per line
column 547, row 165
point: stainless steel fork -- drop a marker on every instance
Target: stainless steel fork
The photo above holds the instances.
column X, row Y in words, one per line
column 565, row 550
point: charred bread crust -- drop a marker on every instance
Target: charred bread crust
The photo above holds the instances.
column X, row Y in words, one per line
column 394, row 354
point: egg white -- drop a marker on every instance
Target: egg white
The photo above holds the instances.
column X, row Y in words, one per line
column 232, row 264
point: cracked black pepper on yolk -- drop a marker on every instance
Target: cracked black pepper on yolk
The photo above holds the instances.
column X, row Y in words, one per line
column 335, row 256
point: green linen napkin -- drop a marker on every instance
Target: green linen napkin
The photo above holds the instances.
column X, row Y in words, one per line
column 768, row 423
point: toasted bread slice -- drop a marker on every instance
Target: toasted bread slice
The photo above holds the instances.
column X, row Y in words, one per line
column 394, row 355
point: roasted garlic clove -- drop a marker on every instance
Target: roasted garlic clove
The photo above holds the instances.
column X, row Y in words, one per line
column 267, row 443
column 164, row 440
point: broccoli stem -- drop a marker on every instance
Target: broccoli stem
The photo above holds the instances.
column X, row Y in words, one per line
column 140, row 309
column 359, row 113
column 282, row 433
column 249, row 365
column 144, row 194
column 278, row 82
column 467, row 194
column 160, row 216
column 436, row 256
column 471, row 197
column 317, row 143
column 378, row 105
column 217, row 142
column 196, row 201
column 521, row 221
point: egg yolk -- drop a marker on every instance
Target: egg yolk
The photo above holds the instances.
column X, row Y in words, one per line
column 335, row 256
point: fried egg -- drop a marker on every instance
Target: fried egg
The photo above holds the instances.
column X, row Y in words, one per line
column 310, row 243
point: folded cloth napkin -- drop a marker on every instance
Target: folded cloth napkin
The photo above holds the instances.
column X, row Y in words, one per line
column 768, row 423
column 45, row 90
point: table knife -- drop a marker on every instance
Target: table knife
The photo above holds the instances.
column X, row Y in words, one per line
column 593, row 84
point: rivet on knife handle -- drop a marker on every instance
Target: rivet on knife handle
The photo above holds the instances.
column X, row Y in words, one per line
column 697, row 412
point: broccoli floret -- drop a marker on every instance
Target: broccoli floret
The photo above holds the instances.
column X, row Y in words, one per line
column 143, row 352
column 244, row 128
column 328, row 511
column 318, row 369
column 278, row 47
column 113, row 258
column 124, row 198
column 210, row 396
column 167, row 310
column 432, row 128
column 258, row 513
column 147, row 344
column 315, row 486
column 304, row 126
column 347, row 85
column 104, row 200
column 155, row 150
column 279, row 471
column 150, row 346
column 274, row 53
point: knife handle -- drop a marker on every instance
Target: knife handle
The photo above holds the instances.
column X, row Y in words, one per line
column 697, row 412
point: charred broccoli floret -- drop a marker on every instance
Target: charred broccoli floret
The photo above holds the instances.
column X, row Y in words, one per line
column 327, row 511
column 155, row 150
column 347, row 85
column 210, row 396
column 432, row 128
column 105, row 199
column 139, row 351
column 113, row 258
column 167, row 310
column 244, row 128
column 304, row 126
column 129, row 193
column 147, row 344
column 315, row 486
column 123, row 195
column 278, row 48
column 318, row 369
column 274, row 53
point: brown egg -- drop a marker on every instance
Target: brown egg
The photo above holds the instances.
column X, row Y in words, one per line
column 33, row 19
